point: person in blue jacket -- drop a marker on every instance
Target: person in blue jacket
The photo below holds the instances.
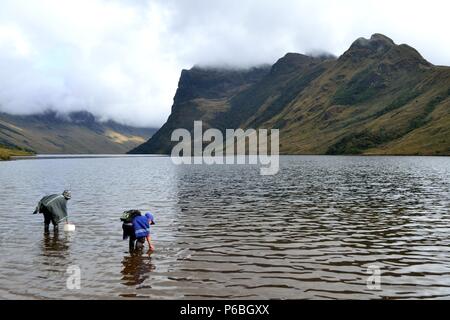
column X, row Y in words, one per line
column 139, row 232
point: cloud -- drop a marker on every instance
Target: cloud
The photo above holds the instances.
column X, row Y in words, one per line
column 121, row 59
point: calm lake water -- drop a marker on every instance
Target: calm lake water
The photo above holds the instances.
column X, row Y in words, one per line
column 312, row 231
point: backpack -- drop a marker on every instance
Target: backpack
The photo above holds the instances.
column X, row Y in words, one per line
column 128, row 216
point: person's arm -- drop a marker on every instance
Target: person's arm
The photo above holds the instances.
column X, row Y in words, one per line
column 149, row 241
column 38, row 208
column 66, row 211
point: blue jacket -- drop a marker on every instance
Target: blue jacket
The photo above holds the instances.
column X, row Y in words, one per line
column 141, row 227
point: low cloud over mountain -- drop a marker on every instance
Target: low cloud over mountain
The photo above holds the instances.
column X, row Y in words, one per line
column 121, row 60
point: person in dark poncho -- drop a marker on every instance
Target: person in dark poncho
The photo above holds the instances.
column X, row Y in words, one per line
column 54, row 209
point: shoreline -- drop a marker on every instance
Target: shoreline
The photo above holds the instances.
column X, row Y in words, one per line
column 322, row 154
column 80, row 156
column 8, row 154
column 29, row 156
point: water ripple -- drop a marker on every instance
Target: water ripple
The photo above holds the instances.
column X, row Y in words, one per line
column 311, row 232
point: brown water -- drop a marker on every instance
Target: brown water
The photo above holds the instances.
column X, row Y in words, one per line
column 311, row 231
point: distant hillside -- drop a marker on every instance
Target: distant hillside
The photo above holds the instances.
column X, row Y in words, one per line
column 7, row 152
column 76, row 133
column 377, row 98
column 203, row 94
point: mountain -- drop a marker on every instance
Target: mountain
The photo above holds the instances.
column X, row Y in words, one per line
column 202, row 94
column 74, row 133
column 377, row 98
column 7, row 152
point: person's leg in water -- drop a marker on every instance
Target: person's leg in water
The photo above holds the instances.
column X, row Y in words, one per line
column 131, row 243
column 54, row 223
column 128, row 232
column 47, row 220
column 140, row 243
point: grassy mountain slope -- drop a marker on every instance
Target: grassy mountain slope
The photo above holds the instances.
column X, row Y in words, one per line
column 203, row 94
column 77, row 133
column 7, row 152
column 368, row 101
column 377, row 98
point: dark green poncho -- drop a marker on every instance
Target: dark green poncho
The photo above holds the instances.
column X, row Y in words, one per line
column 55, row 204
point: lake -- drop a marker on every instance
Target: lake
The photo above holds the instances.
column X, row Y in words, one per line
column 317, row 230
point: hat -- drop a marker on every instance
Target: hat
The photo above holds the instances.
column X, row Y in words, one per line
column 67, row 194
column 150, row 217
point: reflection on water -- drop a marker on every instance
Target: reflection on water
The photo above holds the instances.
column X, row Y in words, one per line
column 312, row 231
column 136, row 269
column 55, row 244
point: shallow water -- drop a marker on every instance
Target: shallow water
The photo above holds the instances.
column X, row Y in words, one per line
column 311, row 231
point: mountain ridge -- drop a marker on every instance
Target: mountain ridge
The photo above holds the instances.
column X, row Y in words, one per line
column 72, row 133
column 376, row 98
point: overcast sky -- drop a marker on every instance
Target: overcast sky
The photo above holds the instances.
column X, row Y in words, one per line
column 121, row 60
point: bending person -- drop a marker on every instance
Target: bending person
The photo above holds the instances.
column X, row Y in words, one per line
column 136, row 227
column 54, row 209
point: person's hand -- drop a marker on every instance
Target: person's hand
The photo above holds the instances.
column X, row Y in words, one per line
column 152, row 247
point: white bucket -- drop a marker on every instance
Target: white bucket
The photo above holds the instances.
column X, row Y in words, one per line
column 69, row 227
